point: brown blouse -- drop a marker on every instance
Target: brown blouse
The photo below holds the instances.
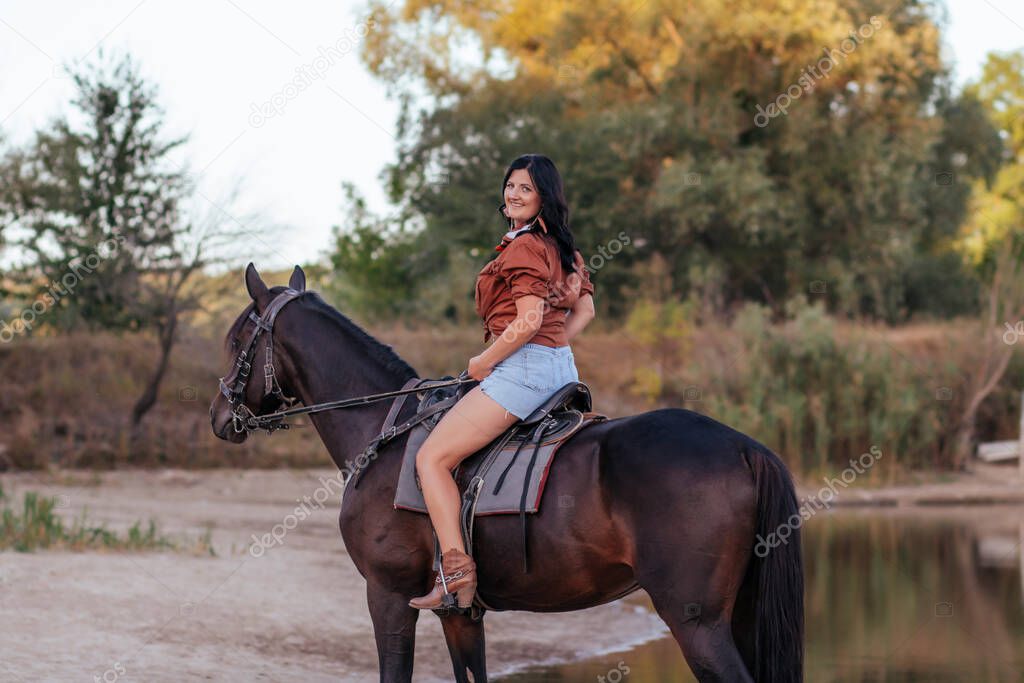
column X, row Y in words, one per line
column 529, row 264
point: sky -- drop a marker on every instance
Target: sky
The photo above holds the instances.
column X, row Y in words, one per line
column 220, row 64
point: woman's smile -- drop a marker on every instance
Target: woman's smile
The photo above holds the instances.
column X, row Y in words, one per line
column 522, row 201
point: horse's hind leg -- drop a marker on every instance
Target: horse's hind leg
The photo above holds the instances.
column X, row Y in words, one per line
column 704, row 635
column 706, row 641
column 695, row 593
column 465, row 639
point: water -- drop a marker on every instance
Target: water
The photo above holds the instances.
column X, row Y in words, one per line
column 924, row 596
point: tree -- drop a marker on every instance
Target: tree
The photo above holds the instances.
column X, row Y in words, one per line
column 94, row 204
column 5, row 216
column 997, row 207
column 370, row 272
column 654, row 113
column 991, row 238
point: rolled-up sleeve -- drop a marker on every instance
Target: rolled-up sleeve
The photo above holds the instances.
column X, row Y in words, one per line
column 586, row 287
column 525, row 267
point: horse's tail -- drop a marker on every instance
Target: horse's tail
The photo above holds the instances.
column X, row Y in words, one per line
column 775, row 575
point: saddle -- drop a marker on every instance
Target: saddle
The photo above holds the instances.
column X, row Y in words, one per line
column 507, row 475
column 515, row 475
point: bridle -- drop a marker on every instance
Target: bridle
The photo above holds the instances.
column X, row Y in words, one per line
column 244, row 420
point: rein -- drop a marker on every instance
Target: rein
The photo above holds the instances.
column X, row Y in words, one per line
column 273, row 421
column 244, row 420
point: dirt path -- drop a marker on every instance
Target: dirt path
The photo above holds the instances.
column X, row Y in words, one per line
column 297, row 612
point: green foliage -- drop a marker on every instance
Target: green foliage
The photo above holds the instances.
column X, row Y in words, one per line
column 821, row 399
column 662, row 325
column 370, row 273
column 996, row 212
column 95, row 201
column 649, row 113
column 37, row 526
column 1001, row 90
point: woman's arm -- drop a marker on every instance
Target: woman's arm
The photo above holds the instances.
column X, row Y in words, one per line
column 580, row 316
column 530, row 315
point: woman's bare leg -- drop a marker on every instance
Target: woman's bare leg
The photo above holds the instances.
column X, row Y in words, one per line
column 469, row 425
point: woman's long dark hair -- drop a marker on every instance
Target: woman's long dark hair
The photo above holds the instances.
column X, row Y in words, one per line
column 553, row 208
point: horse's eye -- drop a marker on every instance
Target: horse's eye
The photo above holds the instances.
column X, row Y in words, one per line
column 234, row 344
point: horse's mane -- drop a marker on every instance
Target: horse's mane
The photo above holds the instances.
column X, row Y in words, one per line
column 375, row 349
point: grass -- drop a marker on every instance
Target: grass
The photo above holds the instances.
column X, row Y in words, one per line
column 35, row 525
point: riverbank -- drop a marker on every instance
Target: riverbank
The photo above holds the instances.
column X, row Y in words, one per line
column 984, row 484
column 299, row 608
column 297, row 611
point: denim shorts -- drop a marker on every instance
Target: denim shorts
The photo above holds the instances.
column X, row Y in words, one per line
column 530, row 376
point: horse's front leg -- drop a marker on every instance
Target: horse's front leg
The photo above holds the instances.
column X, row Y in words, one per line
column 465, row 639
column 394, row 628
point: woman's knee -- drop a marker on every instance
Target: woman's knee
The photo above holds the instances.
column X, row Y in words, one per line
column 429, row 459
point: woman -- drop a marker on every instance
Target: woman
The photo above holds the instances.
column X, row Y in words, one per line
column 534, row 297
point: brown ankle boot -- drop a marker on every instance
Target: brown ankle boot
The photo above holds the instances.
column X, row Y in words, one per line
column 459, row 577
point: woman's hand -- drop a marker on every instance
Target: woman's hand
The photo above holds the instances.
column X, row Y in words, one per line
column 478, row 368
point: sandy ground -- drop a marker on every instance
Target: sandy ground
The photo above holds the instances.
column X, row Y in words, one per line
column 298, row 612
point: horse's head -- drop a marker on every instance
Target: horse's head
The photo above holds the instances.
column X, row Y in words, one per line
column 254, row 384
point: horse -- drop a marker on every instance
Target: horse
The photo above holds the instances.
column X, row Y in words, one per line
column 669, row 501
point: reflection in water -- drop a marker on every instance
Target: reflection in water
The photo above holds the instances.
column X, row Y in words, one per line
column 925, row 596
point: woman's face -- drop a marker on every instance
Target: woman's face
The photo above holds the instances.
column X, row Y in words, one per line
column 522, row 201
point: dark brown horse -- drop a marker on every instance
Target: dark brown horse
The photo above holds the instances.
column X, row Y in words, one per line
column 669, row 500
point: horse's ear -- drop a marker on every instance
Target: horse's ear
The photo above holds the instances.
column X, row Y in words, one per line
column 298, row 280
column 254, row 283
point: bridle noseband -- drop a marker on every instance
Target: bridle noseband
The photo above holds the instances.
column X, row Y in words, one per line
column 243, row 419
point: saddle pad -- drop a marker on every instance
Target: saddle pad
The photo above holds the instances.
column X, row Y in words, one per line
column 506, row 499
